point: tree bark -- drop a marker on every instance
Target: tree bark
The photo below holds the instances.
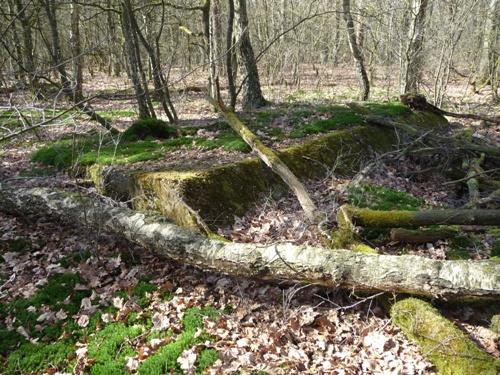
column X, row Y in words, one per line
column 411, row 74
column 421, row 236
column 401, row 219
column 280, row 261
column 130, row 42
column 230, row 57
column 253, row 97
column 76, row 50
column 364, row 84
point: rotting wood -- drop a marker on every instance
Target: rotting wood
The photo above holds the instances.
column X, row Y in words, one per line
column 422, row 235
column 438, row 140
column 280, row 261
column 419, row 102
column 400, row 219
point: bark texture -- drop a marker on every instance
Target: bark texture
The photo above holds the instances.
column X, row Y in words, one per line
column 412, row 63
column 253, row 97
column 280, row 261
column 356, row 52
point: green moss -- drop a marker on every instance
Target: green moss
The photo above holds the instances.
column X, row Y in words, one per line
column 117, row 113
column 220, row 193
column 110, row 347
column 9, row 340
column 165, row 360
column 38, row 357
column 447, row 347
column 381, row 198
column 140, row 291
column 58, row 294
column 362, row 248
column 17, row 245
column 149, row 128
column 206, row 358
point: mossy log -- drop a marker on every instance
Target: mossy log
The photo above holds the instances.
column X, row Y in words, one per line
column 280, row 261
column 446, row 346
column 400, row 219
column 421, row 235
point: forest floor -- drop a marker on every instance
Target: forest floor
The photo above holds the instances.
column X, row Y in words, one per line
column 76, row 301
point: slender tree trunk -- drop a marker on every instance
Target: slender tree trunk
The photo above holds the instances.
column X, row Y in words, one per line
column 230, row 56
column 159, row 81
column 412, row 63
column 214, row 43
column 76, row 50
column 488, row 62
column 133, row 70
column 57, row 59
column 253, row 97
column 28, row 52
column 364, row 84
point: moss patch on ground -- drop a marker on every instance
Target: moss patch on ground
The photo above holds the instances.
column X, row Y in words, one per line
column 381, row 198
column 446, row 346
column 92, row 150
column 110, row 347
column 57, row 294
column 165, row 360
column 35, row 358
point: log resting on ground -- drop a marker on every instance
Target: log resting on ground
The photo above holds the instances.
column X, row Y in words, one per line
column 401, row 219
column 280, row 261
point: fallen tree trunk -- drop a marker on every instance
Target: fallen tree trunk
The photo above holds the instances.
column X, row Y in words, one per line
column 421, row 236
column 400, row 219
column 280, row 261
column 271, row 159
column 440, row 141
column 420, row 103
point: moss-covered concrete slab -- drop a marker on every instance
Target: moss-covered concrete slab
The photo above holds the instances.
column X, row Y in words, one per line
column 215, row 195
column 220, row 193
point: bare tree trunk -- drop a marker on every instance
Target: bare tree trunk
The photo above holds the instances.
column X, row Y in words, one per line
column 412, row 61
column 364, row 84
column 76, row 50
column 128, row 34
column 279, row 261
column 489, row 51
column 214, row 41
column 159, row 81
column 28, row 52
column 253, row 97
column 230, row 56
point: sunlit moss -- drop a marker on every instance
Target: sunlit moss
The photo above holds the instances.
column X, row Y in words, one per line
column 381, row 198
column 446, row 346
column 110, row 347
column 165, row 360
column 38, row 357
